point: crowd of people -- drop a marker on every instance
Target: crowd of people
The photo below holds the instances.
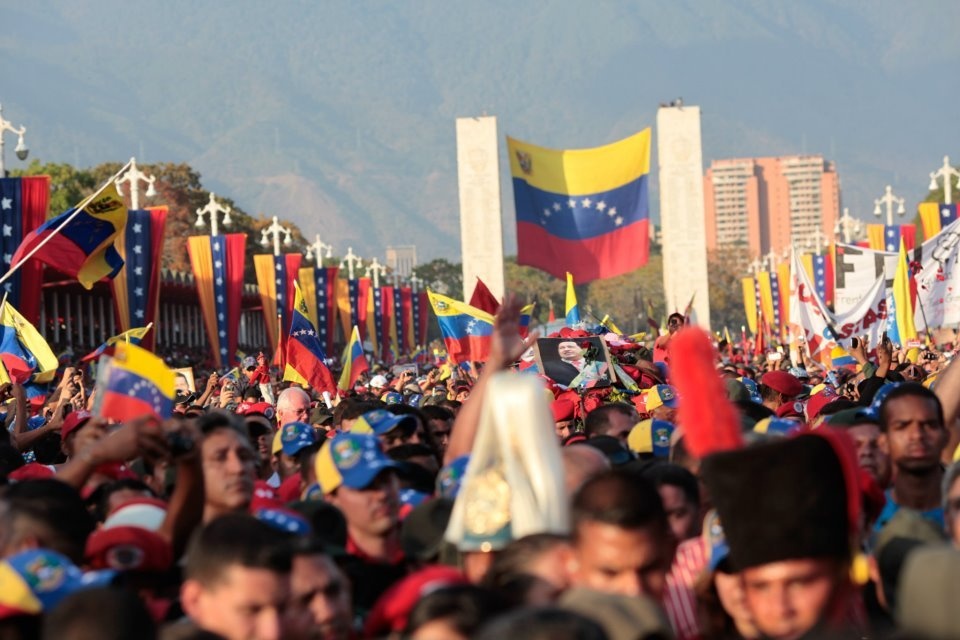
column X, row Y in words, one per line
column 698, row 491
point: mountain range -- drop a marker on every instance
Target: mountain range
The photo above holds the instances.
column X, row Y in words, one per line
column 340, row 115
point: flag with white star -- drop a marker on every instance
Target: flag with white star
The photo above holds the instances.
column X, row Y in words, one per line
column 23, row 206
column 275, row 278
column 133, row 383
column 304, row 352
column 354, row 362
column 80, row 243
column 217, row 263
column 136, row 288
column 582, row 210
column 398, row 322
column 318, row 288
column 466, row 330
column 935, row 216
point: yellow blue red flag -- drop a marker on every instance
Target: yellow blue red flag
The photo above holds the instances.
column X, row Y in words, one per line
column 572, row 309
column 354, row 362
column 25, row 354
column 304, row 353
column 80, row 241
column 467, row 331
column 133, row 383
column 583, row 210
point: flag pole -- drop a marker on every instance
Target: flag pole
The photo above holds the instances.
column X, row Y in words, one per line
column 76, row 210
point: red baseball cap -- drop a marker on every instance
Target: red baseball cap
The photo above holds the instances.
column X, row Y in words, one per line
column 782, row 382
column 74, row 421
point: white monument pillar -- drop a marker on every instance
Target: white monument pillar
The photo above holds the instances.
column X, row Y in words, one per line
column 680, row 160
column 481, row 229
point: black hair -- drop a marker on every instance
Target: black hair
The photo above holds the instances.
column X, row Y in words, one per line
column 674, row 475
column 905, row 390
column 514, row 559
column 352, row 409
column 81, row 615
column 619, row 498
column 464, row 607
column 541, row 623
column 50, row 510
column 598, row 420
column 100, row 498
column 231, row 540
column 10, row 460
column 216, row 420
column 437, row 412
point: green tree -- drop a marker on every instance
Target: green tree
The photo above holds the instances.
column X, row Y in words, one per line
column 443, row 277
column 725, row 268
column 68, row 185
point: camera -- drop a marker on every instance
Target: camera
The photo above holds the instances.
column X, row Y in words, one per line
column 179, row 444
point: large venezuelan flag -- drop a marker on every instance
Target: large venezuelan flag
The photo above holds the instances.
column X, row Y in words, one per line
column 82, row 241
column 304, row 352
column 467, row 331
column 582, row 210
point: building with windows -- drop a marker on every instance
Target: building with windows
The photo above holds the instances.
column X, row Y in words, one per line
column 402, row 260
column 764, row 204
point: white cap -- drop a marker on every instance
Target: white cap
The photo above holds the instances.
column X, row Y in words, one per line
column 378, row 382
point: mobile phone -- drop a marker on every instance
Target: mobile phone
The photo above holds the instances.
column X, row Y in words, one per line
column 884, row 339
column 774, row 356
column 855, row 342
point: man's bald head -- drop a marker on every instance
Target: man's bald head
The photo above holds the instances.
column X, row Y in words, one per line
column 580, row 463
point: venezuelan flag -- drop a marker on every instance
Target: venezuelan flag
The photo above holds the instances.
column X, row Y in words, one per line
column 466, row 330
column 903, row 304
column 275, row 278
column 354, row 362
column 572, row 308
column 934, row 216
column 132, row 336
column 134, row 383
column 24, row 353
column 582, row 209
column 81, row 240
column 304, row 352
column 526, row 314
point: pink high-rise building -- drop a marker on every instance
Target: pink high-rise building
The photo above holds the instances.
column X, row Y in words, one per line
column 764, row 204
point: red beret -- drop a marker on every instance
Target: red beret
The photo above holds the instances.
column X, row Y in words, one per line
column 818, row 401
column 128, row 548
column 782, row 382
column 563, row 409
column 391, row 610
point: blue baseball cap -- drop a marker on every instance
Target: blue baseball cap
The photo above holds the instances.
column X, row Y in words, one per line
column 285, row 520
column 451, row 476
column 296, row 436
column 873, row 411
column 661, row 395
column 392, row 397
column 35, row 581
column 353, row 460
column 752, row 389
column 381, row 422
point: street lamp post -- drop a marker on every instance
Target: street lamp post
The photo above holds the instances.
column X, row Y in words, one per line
column 214, row 209
column 817, row 240
column 847, row 225
column 375, row 269
column 946, row 172
column 756, row 266
column 134, row 177
column 889, row 200
column 21, row 148
column 275, row 229
column 351, row 261
column 415, row 282
column 316, row 250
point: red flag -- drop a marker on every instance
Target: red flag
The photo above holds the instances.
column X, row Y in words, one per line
column 484, row 300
